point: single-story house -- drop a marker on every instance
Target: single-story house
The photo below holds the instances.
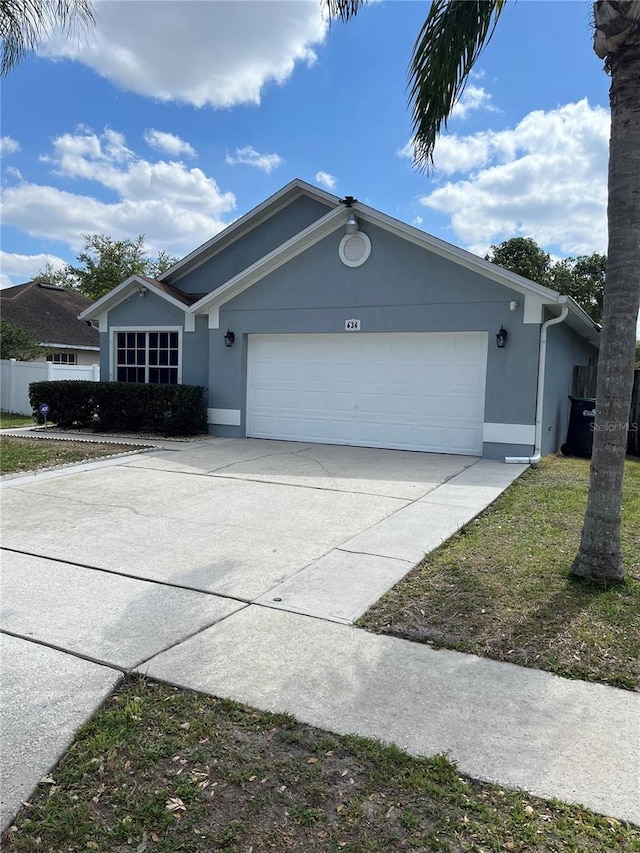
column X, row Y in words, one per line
column 50, row 314
column 319, row 319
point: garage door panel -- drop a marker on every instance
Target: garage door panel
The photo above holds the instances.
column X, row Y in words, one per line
column 418, row 391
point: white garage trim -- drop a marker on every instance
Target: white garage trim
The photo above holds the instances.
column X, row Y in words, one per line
column 510, row 433
column 226, row 417
column 405, row 390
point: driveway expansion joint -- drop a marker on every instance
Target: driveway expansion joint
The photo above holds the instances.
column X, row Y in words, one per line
column 118, row 574
column 58, row 648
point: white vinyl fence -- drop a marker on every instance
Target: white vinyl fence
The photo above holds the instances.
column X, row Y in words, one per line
column 16, row 376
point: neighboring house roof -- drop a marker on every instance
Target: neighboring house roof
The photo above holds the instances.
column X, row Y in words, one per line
column 50, row 313
column 535, row 295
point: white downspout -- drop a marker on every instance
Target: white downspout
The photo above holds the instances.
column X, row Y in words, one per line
column 542, row 359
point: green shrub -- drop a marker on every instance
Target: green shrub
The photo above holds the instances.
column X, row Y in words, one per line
column 122, row 407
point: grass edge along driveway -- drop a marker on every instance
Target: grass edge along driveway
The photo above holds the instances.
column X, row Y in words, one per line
column 501, row 587
column 162, row 769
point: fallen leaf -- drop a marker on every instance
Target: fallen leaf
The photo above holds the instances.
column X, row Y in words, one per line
column 344, row 772
column 175, row 804
column 528, row 809
column 312, row 760
column 48, row 780
column 185, row 726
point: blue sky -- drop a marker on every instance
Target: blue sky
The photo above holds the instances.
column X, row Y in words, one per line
column 175, row 118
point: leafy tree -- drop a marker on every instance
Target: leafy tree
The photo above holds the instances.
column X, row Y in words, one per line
column 24, row 24
column 581, row 278
column 16, row 342
column 449, row 43
column 523, row 256
column 104, row 264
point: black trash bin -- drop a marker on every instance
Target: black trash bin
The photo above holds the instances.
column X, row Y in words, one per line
column 580, row 431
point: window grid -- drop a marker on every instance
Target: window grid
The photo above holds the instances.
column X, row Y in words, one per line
column 149, row 357
column 62, row 358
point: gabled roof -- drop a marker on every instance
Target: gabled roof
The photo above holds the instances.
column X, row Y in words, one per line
column 50, row 313
column 319, row 229
column 140, row 284
column 334, row 218
column 263, row 211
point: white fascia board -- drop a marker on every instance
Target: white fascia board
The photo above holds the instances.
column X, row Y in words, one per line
column 69, row 346
column 294, row 246
column 245, row 224
column 110, row 299
column 456, row 254
column 122, row 292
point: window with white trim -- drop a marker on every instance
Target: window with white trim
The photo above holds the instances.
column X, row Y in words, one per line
column 150, row 356
column 62, row 358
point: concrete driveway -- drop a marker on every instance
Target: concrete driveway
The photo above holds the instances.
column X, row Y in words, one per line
column 232, row 517
column 109, row 566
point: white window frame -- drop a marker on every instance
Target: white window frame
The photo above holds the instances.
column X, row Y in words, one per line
column 62, row 358
column 113, row 331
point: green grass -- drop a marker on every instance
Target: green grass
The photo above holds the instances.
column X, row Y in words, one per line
column 501, row 587
column 11, row 420
column 31, row 454
column 165, row 770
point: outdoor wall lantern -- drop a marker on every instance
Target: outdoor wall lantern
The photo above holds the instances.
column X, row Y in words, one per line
column 501, row 337
column 352, row 224
column 230, row 337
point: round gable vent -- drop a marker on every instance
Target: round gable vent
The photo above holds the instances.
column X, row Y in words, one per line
column 354, row 249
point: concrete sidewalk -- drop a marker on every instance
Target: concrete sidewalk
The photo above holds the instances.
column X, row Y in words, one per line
column 522, row 728
column 141, row 583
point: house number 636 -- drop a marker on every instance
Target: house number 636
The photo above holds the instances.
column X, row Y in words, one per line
column 352, row 325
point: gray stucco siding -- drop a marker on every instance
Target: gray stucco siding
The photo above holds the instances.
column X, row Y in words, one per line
column 401, row 288
column 398, row 273
column 565, row 349
column 248, row 249
column 152, row 312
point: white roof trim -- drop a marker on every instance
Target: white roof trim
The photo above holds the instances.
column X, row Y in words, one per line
column 122, row 292
column 331, row 221
column 455, row 253
column 288, row 250
column 245, row 224
column 69, row 346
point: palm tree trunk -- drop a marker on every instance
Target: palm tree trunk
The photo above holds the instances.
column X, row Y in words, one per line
column 599, row 558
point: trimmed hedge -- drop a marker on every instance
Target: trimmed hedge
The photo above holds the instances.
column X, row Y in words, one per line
column 122, row 406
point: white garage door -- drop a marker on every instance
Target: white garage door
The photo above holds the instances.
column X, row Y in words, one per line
column 411, row 391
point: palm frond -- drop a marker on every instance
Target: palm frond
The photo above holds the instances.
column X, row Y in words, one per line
column 449, row 43
column 24, row 24
column 344, row 10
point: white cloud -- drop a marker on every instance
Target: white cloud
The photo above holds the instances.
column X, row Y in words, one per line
column 175, row 207
column 8, row 146
column 17, row 269
column 168, row 142
column 545, row 178
column 325, row 180
column 417, row 221
column 248, row 156
column 473, row 98
column 203, row 53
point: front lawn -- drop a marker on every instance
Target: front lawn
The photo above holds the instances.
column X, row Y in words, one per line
column 501, row 587
column 161, row 770
column 31, row 454
column 11, row 420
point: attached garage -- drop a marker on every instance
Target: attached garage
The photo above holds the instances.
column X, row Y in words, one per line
column 408, row 391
